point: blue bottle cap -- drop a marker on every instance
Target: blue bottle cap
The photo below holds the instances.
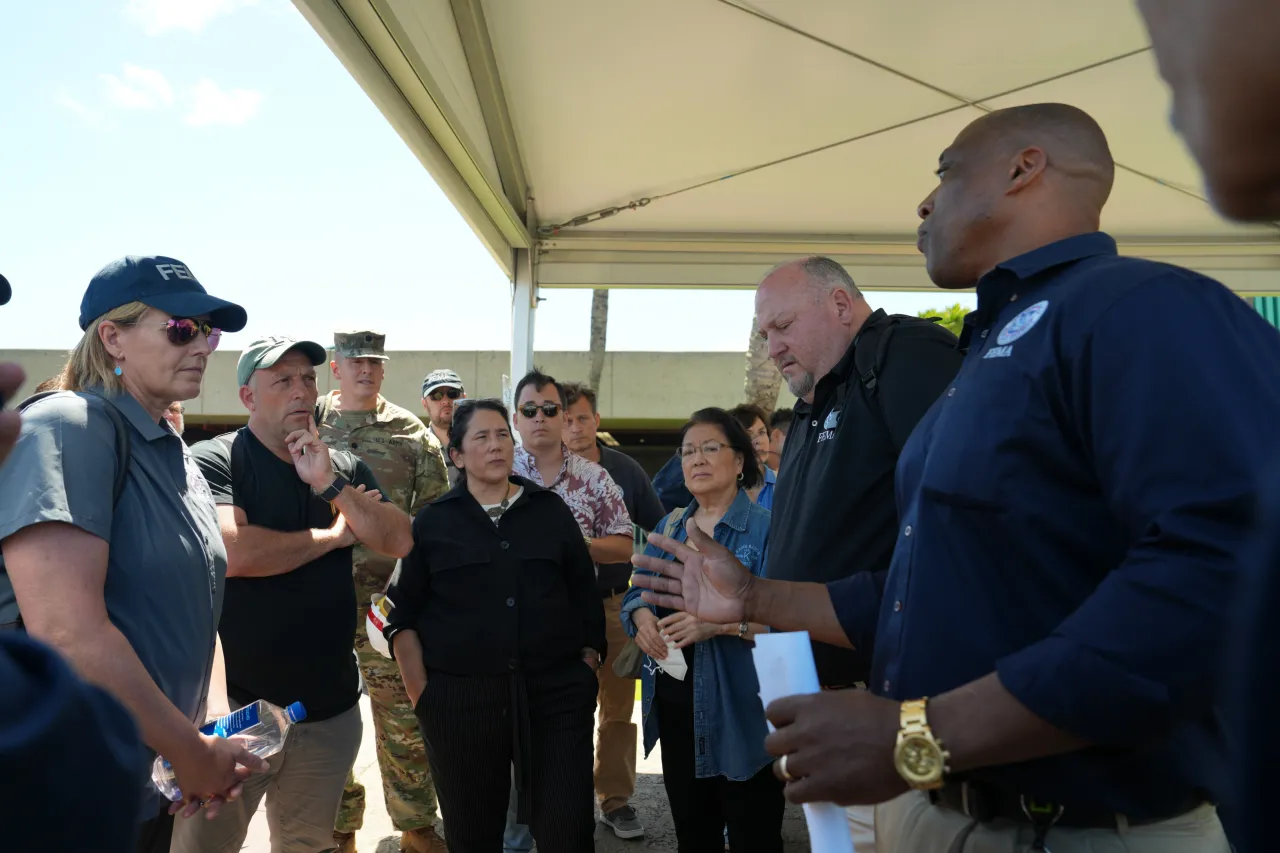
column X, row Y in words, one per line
column 296, row 712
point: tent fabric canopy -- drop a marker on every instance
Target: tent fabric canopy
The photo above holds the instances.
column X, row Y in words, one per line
column 719, row 137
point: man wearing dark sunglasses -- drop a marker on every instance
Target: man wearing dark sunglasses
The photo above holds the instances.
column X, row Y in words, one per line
column 594, row 497
column 591, row 494
column 441, row 391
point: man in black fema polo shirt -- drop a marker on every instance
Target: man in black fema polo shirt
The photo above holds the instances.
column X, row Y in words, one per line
column 290, row 511
column 834, row 513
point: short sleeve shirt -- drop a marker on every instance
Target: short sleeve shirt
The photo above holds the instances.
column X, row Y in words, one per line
column 288, row 637
column 591, row 494
column 166, row 564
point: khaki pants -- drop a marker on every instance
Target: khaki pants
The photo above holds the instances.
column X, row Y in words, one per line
column 910, row 824
column 302, row 788
column 862, row 828
column 615, row 769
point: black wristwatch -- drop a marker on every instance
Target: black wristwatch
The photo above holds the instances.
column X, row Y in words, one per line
column 335, row 488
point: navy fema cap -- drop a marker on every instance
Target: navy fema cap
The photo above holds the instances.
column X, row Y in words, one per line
column 162, row 283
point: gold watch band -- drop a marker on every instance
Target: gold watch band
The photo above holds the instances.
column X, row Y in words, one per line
column 919, row 756
column 913, row 717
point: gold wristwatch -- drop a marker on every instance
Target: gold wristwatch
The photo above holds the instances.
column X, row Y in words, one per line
column 919, row 756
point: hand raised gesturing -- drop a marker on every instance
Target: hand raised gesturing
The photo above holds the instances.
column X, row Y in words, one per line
column 708, row 583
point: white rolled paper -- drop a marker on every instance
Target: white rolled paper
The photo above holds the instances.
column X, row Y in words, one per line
column 785, row 667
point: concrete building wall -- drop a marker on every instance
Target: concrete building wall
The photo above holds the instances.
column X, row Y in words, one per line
column 637, row 388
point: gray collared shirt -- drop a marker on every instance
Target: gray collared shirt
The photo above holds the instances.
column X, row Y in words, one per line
column 167, row 563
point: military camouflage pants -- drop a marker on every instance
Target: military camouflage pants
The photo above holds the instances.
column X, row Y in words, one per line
column 402, row 757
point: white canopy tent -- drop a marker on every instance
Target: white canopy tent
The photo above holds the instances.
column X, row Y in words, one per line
column 695, row 143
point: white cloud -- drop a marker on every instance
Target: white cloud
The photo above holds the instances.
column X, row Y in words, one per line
column 209, row 104
column 136, row 88
column 157, row 17
column 89, row 116
column 141, row 89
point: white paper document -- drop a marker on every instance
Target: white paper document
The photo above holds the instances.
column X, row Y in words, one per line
column 785, row 667
column 675, row 665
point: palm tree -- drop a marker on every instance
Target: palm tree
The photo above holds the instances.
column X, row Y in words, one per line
column 599, row 328
column 764, row 382
column 951, row 317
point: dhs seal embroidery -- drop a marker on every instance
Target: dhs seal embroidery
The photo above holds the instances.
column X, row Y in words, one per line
column 1020, row 325
column 829, row 426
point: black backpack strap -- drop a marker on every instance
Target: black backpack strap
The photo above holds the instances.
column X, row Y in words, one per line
column 869, row 350
column 238, row 450
column 235, row 453
column 872, row 346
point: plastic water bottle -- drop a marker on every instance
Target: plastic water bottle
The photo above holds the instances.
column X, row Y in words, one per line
column 260, row 726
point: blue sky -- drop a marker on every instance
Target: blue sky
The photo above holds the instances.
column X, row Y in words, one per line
column 224, row 133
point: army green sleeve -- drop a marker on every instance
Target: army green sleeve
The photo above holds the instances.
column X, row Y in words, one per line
column 430, row 477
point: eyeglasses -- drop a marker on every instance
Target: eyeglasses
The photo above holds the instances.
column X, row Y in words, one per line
column 530, row 410
column 440, row 393
column 183, row 330
column 707, row 448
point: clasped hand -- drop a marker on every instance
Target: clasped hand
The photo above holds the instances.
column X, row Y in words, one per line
column 213, row 774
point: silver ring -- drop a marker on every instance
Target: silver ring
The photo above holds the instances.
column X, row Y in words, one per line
column 782, row 769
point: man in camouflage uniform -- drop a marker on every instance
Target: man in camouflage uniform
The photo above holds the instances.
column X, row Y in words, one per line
column 410, row 469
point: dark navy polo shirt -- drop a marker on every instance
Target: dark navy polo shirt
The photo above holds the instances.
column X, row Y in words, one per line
column 1073, row 511
column 1253, row 662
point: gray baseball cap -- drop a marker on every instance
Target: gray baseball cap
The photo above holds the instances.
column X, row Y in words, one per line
column 441, row 379
column 265, row 352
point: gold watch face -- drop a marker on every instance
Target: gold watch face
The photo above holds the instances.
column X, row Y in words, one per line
column 919, row 760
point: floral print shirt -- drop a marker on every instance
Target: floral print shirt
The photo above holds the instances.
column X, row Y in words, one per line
column 592, row 495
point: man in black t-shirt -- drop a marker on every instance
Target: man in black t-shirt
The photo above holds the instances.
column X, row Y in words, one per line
column 615, row 770
column 290, row 511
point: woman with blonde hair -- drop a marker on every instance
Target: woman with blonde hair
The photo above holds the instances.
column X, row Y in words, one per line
column 113, row 555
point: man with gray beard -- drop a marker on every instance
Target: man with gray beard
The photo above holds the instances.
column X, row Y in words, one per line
column 863, row 379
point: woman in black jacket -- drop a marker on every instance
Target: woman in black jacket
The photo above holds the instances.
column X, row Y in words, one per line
column 498, row 630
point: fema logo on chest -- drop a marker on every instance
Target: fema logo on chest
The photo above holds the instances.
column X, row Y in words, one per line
column 829, row 426
column 1016, row 328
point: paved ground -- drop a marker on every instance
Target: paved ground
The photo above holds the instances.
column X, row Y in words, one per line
column 650, row 801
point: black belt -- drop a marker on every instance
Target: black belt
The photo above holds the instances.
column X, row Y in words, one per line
column 620, row 589
column 986, row 804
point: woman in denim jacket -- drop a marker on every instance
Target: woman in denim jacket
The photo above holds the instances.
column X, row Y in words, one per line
column 711, row 723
